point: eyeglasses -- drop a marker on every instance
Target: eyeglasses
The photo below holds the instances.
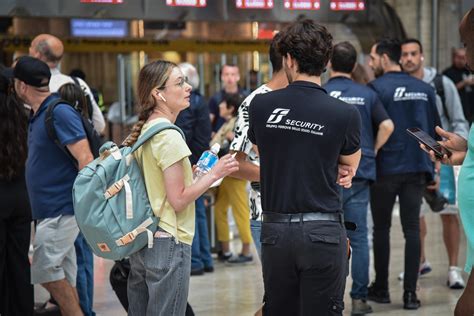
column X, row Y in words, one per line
column 181, row 83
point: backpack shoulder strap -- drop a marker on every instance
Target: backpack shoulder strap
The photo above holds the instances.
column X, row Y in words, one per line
column 51, row 131
column 155, row 129
column 439, row 87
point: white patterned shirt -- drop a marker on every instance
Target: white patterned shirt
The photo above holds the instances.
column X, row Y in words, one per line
column 243, row 144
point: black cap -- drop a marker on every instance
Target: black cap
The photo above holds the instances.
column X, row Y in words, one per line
column 31, row 71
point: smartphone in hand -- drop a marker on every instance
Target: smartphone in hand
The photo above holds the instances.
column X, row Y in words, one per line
column 430, row 143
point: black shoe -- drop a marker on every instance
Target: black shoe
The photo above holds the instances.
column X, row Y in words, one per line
column 410, row 301
column 224, row 256
column 209, row 269
column 378, row 295
column 197, row 271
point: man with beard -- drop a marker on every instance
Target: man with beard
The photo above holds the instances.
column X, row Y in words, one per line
column 452, row 119
column 402, row 169
column 50, row 175
column 304, row 249
column 464, row 81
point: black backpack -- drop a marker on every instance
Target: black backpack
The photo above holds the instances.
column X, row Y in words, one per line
column 95, row 140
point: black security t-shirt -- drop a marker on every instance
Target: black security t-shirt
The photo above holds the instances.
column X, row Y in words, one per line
column 300, row 132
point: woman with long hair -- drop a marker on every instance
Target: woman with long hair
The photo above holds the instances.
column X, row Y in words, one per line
column 16, row 291
column 159, row 277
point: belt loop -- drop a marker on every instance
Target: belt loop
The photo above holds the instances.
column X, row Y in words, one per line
column 301, row 219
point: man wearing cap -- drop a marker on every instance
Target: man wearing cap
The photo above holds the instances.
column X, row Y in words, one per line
column 50, row 50
column 50, row 175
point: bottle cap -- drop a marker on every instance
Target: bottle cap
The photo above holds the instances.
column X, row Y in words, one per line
column 215, row 148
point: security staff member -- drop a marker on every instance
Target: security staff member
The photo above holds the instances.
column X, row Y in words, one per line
column 356, row 198
column 402, row 168
column 301, row 135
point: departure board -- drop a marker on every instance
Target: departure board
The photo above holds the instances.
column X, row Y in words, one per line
column 302, row 4
column 103, row 1
column 254, row 4
column 186, row 3
column 344, row 5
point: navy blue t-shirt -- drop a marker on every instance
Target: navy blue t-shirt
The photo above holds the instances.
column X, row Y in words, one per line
column 409, row 102
column 50, row 173
column 301, row 132
column 371, row 112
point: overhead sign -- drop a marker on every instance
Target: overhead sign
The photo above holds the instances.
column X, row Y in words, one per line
column 186, row 3
column 343, row 5
column 302, row 4
column 99, row 28
column 103, row 1
column 254, row 4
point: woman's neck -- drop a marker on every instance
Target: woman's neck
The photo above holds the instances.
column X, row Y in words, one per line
column 163, row 113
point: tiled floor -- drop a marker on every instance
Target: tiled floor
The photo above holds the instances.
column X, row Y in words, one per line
column 238, row 290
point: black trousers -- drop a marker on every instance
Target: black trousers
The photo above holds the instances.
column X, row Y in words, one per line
column 16, row 291
column 409, row 188
column 304, row 268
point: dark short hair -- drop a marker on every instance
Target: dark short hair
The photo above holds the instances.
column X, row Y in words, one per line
column 413, row 41
column 233, row 100
column 309, row 43
column 344, row 57
column 391, row 47
column 275, row 57
column 227, row 65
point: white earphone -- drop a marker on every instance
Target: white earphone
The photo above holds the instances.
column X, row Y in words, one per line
column 162, row 97
column 422, row 58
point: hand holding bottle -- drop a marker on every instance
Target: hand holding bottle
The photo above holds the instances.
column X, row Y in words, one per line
column 225, row 166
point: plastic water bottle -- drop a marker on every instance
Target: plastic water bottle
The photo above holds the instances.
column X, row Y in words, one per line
column 207, row 161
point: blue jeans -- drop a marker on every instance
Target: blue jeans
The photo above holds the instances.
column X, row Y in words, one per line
column 85, row 275
column 158, row 282
column 355, row 206
column 201, row 248
column 256, row 230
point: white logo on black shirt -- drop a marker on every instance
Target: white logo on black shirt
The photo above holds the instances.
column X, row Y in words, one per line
column 399, row 92
column 401, row 95
column 349, row 100
column 277, row 115
column 294, row 125
column 335, row 94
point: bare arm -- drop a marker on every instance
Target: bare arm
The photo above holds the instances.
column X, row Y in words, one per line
column 81, row 152
column 385, row 130
column 351, row 160
column 179, row 196
column 247, row 170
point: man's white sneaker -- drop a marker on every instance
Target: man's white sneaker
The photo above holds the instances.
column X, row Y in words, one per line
column 455, row 280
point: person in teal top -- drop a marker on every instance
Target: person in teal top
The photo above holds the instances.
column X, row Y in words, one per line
column 463, row 153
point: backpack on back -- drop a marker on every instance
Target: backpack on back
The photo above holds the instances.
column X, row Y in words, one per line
column 95, row 140
column 111, row 203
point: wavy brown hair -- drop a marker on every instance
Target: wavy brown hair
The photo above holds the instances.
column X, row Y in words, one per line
column 153, row 75
column 13, row 133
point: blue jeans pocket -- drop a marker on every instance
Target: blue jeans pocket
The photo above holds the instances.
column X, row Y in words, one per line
column 159, row 257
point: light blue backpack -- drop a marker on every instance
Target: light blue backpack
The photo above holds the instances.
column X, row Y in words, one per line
column 111, row 203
